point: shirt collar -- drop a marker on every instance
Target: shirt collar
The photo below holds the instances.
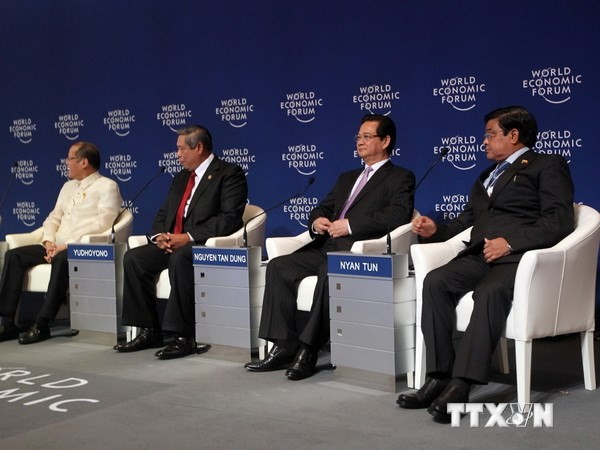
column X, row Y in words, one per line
column 89, row 180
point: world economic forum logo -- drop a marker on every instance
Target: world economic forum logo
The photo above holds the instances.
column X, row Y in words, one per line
column 240, row 156
column 299, row 209
column 553, row 84
column 69, row 125
column 463, row 151
column 23, row 129
column 451, row 206
column 235, row 111
column 121, row 166
column 376, row 98
column 170, row 162
column 174, row 116
column 302, row 106
column 119, row 121
column 558, row 142
column 460, row 92
column 26, row 212
column 303, row 158
column 25, row 171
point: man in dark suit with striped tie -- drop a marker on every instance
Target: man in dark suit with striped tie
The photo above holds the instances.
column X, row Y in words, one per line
column 523, row 202
column 207, row 198
column 363, row 204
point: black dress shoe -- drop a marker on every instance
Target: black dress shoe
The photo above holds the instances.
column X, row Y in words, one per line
column 35, row 334
column 147, row 338
column 180, row 347
column 304, row 365
column 277, row 359
column 455, row 392
column 425, row 396
column 8, row 332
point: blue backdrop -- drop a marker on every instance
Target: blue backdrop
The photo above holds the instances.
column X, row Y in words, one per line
column 282, row 86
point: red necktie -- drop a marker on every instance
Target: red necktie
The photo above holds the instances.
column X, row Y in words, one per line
column 186, row 195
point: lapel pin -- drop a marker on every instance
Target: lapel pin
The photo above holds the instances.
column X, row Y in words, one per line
column 524, row 161
column 210, row 177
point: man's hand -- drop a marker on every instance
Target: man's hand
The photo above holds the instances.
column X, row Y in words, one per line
column 52, row 249
column 423, row 226
column 321, row 225
column 495, row 248
column 339, row 228
column 169, row 241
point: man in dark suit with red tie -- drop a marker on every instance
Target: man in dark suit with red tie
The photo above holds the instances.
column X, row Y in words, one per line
column 363, row 204
column 207, row 198
column 524, row 204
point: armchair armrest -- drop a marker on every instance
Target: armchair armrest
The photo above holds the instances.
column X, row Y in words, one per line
column 401, row 240
column 225, row 241
column 137, row 241
column 277, row 246
column 22, row 239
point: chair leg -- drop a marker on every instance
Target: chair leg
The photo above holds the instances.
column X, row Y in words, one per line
column 410, row 379
column 587, row 358
column 264, row 347
column 420, row 359
column 501, row 356
column 523, row 364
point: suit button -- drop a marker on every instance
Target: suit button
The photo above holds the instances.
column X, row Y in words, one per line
column 491, row 210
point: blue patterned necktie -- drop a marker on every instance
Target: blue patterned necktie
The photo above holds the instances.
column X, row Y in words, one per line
column 359, row 186
column 500, row 168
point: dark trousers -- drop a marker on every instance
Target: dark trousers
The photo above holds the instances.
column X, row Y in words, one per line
column 278, row 319
column 141, row 266
column 492, row 287
column 16, row 262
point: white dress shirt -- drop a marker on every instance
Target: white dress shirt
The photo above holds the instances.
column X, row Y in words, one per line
column 83, row 207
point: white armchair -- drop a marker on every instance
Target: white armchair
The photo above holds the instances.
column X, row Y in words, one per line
column 256, row 237
column 554, row 294
column 37, row 278
column 401, row 240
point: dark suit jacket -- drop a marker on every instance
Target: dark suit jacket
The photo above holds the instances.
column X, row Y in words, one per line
column 222, row 195
column 531, row 207
column 385, row 203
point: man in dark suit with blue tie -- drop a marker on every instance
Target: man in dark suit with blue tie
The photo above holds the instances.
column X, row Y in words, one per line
column 363, row 204
column 207, row 198
column 523, row 202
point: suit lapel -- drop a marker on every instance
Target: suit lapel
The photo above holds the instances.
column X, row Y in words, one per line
column 373, row 181
column 209, row 177
column 511, row 172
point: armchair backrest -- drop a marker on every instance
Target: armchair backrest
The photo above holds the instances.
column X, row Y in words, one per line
column 255, row 230
column 401, row 238
column 123, row 227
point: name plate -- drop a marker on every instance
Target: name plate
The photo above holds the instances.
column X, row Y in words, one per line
column 91, row 252
column 380, row 266
column 225, row 257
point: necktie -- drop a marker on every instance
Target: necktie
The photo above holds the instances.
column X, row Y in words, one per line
column 500, row 168
column 178, row 228
column 359, row 186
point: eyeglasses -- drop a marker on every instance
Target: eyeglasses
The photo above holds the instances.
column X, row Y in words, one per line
column 71, row 158
column 491, row 134
column 366, row 137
